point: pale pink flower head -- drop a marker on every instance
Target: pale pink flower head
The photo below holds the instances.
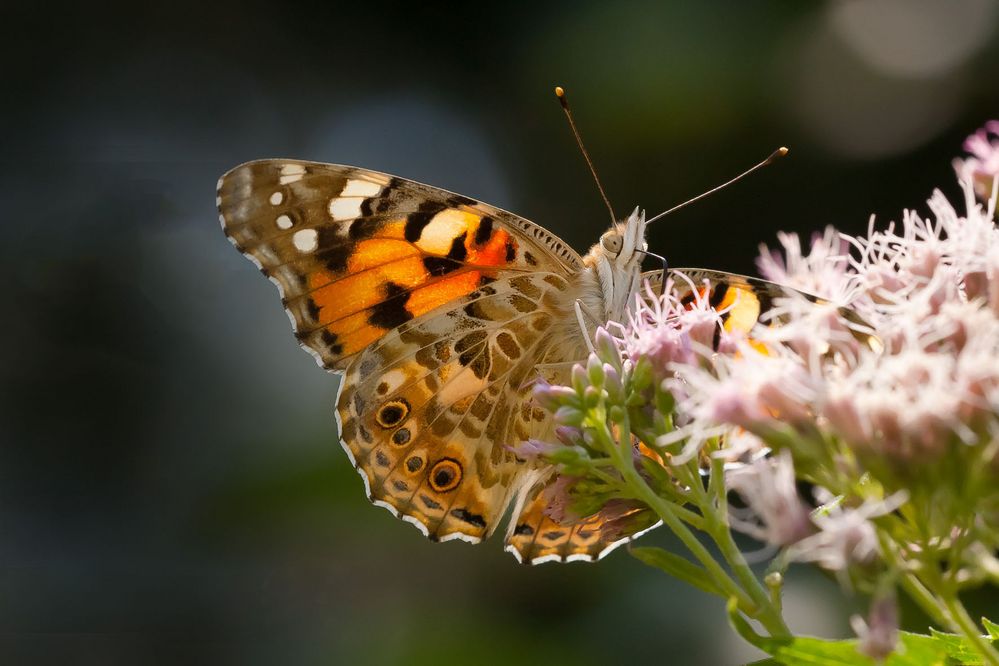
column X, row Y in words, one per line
column 814, row 331
column 534, row 449
column 767, row 485
column 879, row 633
column 846, row 536
column 982, row 165
column 665, row 331
column 904, row 407
column 755, row 390
column 741, row 446
column 822, row 272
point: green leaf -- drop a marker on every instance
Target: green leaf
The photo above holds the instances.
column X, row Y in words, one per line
column 919, row 649
column 937, row 649
column 678, row 567
column 816, row 652
column 957, row 649
column 992, row 628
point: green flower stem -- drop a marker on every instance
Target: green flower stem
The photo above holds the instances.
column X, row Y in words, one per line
column 956, row 616
column 923, row 597
column 715, row 512
column 666, row 511
column 609, row 479
column 686, row 515
column 943, row 606
column 966, row 626
column 621, row 451
column 668, row 515
column 911, row 583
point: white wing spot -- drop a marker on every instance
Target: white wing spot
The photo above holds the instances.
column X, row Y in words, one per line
column 360, row 188
column 283, row 222
column 291, row 173
column 346, row 208
column 468, row 538
column 277, row 198
column 446, row 225
column 305, row 240
column 547, row 558
column 393, row 379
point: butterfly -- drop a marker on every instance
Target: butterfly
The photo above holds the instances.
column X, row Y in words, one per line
column 439, row 312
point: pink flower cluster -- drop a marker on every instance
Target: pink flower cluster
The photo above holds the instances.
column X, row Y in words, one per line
column 914, row 374
column 664, row 331
column 981, row 167
column 894, row 371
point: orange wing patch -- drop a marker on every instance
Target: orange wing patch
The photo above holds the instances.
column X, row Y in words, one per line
column 405, row 269
column 744, row 301
column 738, row 304
column 356, row 253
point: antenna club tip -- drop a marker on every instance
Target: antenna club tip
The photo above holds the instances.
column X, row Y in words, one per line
column 776, row 155
column 559, row 92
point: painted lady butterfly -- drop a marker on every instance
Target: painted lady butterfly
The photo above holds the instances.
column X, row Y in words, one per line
column 439, row 311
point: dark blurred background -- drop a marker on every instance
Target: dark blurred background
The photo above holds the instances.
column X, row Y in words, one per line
column 171, row 488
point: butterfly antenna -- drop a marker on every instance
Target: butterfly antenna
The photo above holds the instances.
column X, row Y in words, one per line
column 780, row 152
column 564, row 101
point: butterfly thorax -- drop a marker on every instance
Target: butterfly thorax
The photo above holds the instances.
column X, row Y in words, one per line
column 613, row 270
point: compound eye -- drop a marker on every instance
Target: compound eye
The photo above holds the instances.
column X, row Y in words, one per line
column 612, row 242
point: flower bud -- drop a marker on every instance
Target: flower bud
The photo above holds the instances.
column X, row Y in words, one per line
column 592, row 396
column 569, row 416
column 533, row 449
column 570, row 456
column 612, row 383
column 982, row 166
column 607, row 347
column 879, row 634
column 551, row 396
column 568, row 435
column 579, row 379
column 595, row 371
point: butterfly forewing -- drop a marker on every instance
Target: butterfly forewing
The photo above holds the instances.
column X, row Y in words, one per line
column 743, row 301
column 356, row 253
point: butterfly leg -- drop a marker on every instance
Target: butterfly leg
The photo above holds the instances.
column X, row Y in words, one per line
column 582, row 326
column 662, row 282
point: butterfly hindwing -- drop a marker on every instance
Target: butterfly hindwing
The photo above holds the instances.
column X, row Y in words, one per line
column 533, row 537
column 428, row 411
column 356, row 253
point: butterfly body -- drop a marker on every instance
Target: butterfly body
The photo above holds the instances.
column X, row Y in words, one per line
column 440, row 312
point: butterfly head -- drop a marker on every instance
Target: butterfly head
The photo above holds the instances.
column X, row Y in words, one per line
column 624, row 243
column 616, row 264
